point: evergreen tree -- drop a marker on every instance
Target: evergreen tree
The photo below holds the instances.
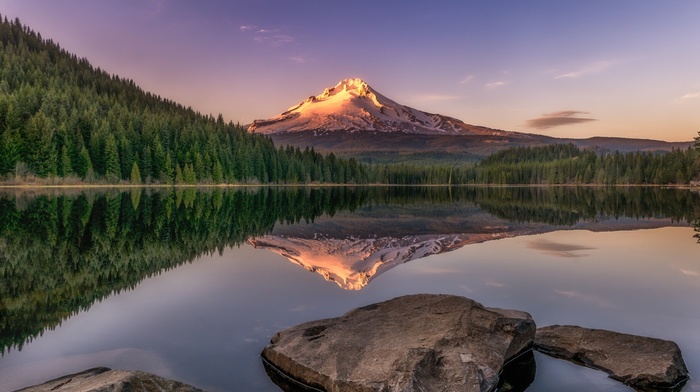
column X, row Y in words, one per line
column 135, row 177
column 179, row 178
column 188, row 174
column 66, row 167
column 112, row 167
column 84, row 164
column 39, row 149
column 217, row 174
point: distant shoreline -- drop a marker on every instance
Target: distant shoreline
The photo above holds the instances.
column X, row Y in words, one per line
column 329, row 185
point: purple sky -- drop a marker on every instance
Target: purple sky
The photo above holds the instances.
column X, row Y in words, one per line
column 626, row 68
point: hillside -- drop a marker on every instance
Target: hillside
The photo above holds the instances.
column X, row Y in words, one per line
column 61, row 117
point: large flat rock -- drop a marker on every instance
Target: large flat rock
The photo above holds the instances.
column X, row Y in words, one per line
column 106, row 380
column 413, row 343
column 644, row 363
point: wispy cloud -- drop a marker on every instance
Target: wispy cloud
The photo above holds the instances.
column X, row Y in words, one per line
column 690, row 96
column 584, row 298
column 245, row 28
column 690, row 272
column 493, row 283
column 435, row 98
column 275, row 37
column 558, row 249
column 467, row 79
column 298, row 59
column 589, row 69
column 498, row 84
column 551, row 120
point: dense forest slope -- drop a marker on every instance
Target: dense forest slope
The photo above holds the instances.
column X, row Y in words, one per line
column 62, row 117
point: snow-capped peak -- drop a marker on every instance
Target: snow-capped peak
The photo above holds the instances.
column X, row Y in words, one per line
column 352, row 105
column 355, row 87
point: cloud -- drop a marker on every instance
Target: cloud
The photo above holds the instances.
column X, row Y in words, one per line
column 493, row 283
column 298, row 59
column 245, row 28
column 496, row 84
column 690, row 272
column 467, row 79
column 275, row 40
column 691, row 96
column 584, row 298
column 551, row 120
column 593, row 68
column 557, row 249
column 274, row 37
column 435, row 98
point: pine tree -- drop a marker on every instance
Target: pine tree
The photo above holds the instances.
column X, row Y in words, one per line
column 135, row 177
column 39, row 149
column 10, row 146
column 217, row 174
column 84, row 164
column 112, row 168
column 189, row 175
column 66, row 167
column 179, row 178
column 167, row 170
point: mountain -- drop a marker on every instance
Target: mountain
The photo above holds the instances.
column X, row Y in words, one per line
column 353, row 119
column 352, row 105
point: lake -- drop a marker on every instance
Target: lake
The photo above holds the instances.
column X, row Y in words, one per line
column 191, row 284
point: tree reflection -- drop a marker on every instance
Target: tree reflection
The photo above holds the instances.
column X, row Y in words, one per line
column 61, row 253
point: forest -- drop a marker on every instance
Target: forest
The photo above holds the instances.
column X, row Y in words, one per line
column 64, row 121
column 60, row 117
column 555, row 164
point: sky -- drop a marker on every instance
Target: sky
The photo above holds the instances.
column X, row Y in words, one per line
column 626, row 68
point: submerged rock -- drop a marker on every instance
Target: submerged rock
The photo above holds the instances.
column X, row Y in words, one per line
column 106, row 380
column 646, row 364
column 413, row 343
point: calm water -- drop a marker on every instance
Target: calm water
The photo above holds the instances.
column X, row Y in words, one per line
column 191, row 285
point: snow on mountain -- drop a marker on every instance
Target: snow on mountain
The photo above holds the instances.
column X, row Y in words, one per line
column 353, row 262
column 352, row 105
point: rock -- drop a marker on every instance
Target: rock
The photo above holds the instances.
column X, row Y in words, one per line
column 106, row 380
column 413, row 343
column 643, row 363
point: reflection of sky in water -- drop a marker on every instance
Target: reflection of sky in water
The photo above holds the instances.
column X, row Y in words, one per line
column 206, row 322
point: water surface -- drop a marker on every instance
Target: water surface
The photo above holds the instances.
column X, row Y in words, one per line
column 191, row 285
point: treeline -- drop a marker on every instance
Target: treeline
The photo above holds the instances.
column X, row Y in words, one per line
column 62, row 117
column 553, row 164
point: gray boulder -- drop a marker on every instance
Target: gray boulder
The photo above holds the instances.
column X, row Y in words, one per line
column 106, row 380
column 413, row 343
column 643, row 363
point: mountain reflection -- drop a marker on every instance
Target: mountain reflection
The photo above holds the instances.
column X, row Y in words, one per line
column 62, row 252
column 353, row 248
